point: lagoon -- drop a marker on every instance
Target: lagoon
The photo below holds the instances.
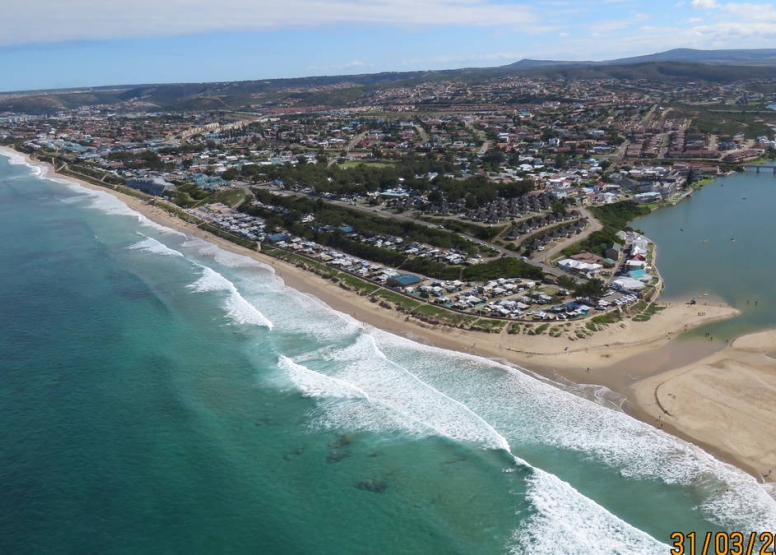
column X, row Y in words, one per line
column 718, row 243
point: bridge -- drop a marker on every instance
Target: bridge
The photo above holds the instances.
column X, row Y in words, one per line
column 750, row 167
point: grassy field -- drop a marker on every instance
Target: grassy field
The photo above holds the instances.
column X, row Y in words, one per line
column 229, row 197
column 355, row 163
column 489, row 325
column 647, row 312
column 401, row 302
column 445, row 316
column 358, row 284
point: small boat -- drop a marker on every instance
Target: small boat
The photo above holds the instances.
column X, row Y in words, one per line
column 705, row 241
column 733, row 239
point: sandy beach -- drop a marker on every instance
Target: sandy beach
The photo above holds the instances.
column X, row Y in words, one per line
column 721, row 399
column 725, row 400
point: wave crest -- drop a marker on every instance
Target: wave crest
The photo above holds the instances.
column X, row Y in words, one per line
column 239, row 310
column 149, row 244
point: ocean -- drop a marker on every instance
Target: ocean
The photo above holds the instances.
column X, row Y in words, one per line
column 160, row 395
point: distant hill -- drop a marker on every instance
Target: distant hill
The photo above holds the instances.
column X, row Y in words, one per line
column 752, row 57
column 673, row 66
column 758, row 57
column 667, row 72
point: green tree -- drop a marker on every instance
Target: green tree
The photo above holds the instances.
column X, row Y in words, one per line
column 594, row 288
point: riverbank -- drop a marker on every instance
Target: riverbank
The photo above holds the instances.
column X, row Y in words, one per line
column 606, row 357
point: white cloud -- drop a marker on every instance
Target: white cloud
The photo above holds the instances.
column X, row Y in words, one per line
column 751, row 12
column 57, row 20
column 731, row 33
column 704, row 4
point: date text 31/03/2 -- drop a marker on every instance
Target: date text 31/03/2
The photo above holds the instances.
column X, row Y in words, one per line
column 723, row 543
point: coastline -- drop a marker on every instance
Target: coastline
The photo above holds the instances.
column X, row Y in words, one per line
column 630, row 358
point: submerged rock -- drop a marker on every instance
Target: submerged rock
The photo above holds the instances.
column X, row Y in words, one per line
column 375, row 486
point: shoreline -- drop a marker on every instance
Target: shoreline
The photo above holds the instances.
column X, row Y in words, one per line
column 626, row 357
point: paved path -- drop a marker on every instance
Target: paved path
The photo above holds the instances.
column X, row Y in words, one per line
column 593, row 226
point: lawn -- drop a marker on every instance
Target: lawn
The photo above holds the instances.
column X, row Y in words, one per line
column 356, row 163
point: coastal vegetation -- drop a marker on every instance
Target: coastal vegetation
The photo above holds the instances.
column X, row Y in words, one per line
column 614, row 217
column 328, row 214
column 484, row 232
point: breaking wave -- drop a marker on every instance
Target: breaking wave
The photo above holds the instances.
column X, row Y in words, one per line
column 237, row 308
column 149, row 244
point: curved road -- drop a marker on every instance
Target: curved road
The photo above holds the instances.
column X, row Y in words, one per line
column 592, row 227
column 536, row 261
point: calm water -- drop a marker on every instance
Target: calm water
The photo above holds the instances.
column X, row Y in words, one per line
column 159, row 395
column 720, row 242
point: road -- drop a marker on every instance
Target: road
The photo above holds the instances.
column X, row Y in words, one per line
column 546, row 268
column 422, row 133
column 592, row 227
column 350, row 146
column 481, row 136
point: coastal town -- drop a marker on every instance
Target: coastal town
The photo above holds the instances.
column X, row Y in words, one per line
column 519, row 308
column 501, row 206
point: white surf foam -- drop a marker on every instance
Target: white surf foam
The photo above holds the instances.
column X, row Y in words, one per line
column 513, row 405
column 224, row 257
column 529, row 411
column 363, row 365
column 568, row 522
column 16, row 159
column 770, row 489
column 315, row 384
column 109, row 204
column 339, row 401
column 423, row 409
column 149, row 244
column 101, row 200
column 237, row 308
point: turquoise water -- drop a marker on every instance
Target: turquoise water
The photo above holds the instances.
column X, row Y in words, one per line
column 160, row 395
column 720, row 242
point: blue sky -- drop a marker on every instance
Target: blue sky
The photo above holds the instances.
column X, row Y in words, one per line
column 75, row 43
